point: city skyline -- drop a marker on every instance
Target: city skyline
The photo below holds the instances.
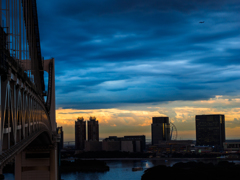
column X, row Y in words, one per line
column 128, row 61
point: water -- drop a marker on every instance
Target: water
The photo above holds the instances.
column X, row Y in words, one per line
column 8, row 176
column 119, row 170
column 122, row 170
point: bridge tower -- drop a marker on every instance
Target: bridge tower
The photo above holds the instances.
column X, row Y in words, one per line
column 27, row 122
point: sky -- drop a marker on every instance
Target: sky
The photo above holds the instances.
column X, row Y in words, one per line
column 126, row 61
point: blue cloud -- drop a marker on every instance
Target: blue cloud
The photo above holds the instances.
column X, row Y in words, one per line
column 109, row 53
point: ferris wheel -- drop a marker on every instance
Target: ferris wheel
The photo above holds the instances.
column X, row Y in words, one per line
column 173, row 132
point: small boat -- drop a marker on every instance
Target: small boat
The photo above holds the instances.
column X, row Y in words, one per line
column 137, row 169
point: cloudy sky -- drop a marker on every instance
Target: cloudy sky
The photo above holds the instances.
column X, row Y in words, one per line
column 125, row 61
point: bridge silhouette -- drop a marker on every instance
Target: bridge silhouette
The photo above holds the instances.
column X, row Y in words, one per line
column 27, row 121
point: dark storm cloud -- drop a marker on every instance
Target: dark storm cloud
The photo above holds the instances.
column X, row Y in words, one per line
column 113, row 52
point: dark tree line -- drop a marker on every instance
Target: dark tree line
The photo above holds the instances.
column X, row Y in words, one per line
column 194, row 171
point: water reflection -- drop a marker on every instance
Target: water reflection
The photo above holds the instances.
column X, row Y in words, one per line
column 121, row 170
column 118, row 170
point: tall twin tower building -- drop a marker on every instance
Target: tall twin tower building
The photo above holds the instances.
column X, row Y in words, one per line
column 80, row 131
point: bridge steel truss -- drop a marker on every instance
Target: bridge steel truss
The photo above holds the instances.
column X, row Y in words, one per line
column 24, row 114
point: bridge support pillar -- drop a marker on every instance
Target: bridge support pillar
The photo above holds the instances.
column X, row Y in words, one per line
column 1, row 177
column 18, row 166
column 53, row 164
column 36, row 164
column 1, row 174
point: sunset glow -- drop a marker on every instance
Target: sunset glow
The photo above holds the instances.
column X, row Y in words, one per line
column 120, row 122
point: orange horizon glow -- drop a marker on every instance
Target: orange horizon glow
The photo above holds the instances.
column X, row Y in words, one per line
column 120, row 122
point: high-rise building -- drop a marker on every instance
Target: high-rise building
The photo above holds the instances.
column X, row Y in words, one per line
column 93, row 129
column 160, row 129
column 80, row 133
column 210, row 130
column 60, row 133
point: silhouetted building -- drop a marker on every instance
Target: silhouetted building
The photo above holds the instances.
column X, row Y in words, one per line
column 80, row 133
column 60, row 132
column 210, row 130
column 111, row 145
column 160, row 129
column 231, row 146
column 93, row 129
column 93, row 145
column 126, row 143
column 140, row 138
column 180, row 146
